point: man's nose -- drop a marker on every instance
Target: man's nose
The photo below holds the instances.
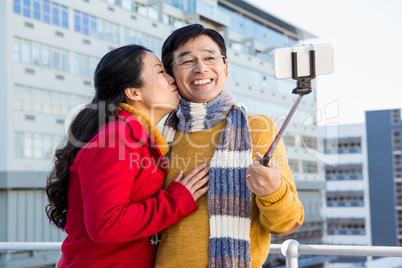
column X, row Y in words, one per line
column 200, row 66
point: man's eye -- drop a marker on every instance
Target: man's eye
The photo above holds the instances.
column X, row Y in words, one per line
column 209, row 58
column 187, row 62
column 162, row 71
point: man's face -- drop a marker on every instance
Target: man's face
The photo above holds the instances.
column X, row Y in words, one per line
column 200, row 83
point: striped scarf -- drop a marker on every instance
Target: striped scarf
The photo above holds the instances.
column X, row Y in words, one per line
column 229, row 200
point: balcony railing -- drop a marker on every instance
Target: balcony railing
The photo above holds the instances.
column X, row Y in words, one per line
column 291, row 249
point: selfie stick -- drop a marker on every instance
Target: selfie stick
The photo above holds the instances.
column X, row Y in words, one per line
column 303, row 88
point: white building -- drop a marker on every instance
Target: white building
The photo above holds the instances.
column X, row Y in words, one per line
column 48, row 51
column 347, row 208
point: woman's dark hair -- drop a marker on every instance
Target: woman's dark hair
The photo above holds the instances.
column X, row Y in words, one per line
column 119, row 69
column 182, row 35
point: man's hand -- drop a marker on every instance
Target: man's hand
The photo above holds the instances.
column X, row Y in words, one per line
column 263, row 181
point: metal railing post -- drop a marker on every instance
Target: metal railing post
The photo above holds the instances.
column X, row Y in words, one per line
column 290, row 249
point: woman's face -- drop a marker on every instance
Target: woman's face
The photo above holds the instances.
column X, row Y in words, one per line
column 159, row 94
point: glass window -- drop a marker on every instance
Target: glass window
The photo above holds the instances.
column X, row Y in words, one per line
column 27, row 8
column 85, row 24
column 36, row 54
column 45, row 56
column 55, row 14
column 85, row 67
column 100, row 31
column 27, row 98
column 93, row 30
column 27, row 145
column 47, row 146
column 65, row 107
column 17, row 50
column 64, row 17
column 18, row 99
column 37, row 146
column 127, row 4
column 18, row 145
column 77, row 21
column 26, row 52
column 77, row 64
column 46, row 11
column 37, row 100
column 36, row 9
column 65, row 61
column 56, row 59
column 56, row 103
column 47, row 101
column 17, row 6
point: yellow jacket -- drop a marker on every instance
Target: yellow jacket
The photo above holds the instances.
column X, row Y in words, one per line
column 186, row 243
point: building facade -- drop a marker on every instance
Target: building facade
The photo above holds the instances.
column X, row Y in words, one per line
column 49, row 50
column 347, row 205
column 384, row 144
column 363, row 172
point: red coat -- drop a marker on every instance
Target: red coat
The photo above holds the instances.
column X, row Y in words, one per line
column 115, row 201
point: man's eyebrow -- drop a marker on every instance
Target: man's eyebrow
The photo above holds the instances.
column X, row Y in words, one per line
column 184, row 53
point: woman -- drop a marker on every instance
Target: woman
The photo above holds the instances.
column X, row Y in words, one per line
column 104, row 190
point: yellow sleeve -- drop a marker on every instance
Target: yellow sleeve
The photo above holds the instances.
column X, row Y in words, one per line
column 281, row 212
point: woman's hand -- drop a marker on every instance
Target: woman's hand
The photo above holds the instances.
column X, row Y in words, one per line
column 195, row 180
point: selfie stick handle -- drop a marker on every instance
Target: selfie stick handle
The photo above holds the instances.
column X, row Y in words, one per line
column 303, row 88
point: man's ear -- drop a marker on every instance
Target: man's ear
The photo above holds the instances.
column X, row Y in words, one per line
column 132, row 94
column 226, row 68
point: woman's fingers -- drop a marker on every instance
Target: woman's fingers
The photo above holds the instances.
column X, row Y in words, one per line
column 179, row 177
column 195, row 180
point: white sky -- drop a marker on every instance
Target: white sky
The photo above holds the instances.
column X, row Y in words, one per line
column 367, row 40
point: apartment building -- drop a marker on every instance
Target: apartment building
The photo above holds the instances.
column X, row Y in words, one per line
column 363, row 172
column 347, row 205
column 48, row 52
column 384, row 147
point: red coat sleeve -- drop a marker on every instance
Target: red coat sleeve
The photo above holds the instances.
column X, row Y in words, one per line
column 108, row 181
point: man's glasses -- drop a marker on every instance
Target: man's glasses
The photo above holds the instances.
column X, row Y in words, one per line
column 188, row 61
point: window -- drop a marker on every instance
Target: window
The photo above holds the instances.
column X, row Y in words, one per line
column 27, row 8
column 36, row 10
column 43, row 10
column 344, row 172
column 93, row 26
column 55, row 14
column 35, row 145
column 396, row 141
column 17, row 50
column 310, row 142
column 46, row 11
column 38, row 54
column 310, row 167
column 17, row 6
column 396, row 116
column 64, row 17
column 294, row 166
column 44, row 101
column 26, row 52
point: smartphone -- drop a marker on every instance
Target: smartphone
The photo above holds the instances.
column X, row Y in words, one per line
column 324, row 60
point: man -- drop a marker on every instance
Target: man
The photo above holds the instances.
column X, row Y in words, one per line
column 246, row 202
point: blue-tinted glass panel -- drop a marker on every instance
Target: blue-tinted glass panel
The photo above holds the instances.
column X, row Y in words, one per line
column 27, row 8
column 77, row 21
column 64, row 17
column 17, row 6
column 46, row 11
column 55, row 14
column 36, row 9
column 85, row 24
